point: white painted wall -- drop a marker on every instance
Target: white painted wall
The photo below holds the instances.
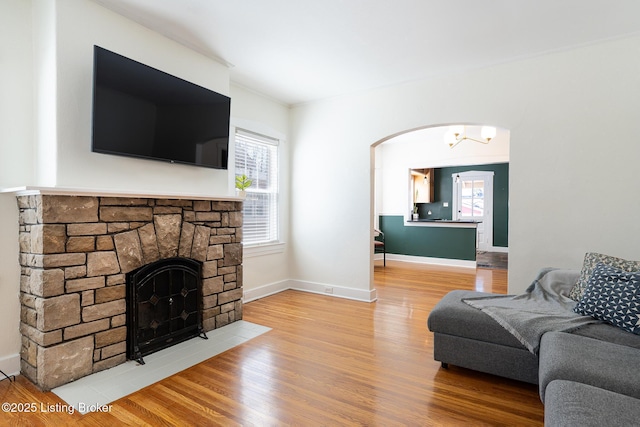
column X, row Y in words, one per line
column 81, row 24
column 572, row 159
column 16, row 167
column 254, row 112
column 425, row 148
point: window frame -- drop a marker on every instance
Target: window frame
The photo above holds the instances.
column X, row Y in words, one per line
column 260, row 248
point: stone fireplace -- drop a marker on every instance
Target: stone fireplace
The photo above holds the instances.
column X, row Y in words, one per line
column 75, row 254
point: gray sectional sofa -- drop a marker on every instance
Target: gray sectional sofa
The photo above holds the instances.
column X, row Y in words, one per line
column 587, row 372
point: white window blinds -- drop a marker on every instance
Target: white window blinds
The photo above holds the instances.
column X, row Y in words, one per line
column 257, row 158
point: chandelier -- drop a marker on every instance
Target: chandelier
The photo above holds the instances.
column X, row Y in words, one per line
column 458, row 133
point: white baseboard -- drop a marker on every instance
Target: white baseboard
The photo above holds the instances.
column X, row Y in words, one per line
column 499, row 249
column 430, row 260
column 10, row 365
column 316, row 288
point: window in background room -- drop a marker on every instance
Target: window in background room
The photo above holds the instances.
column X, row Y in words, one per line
column 257, row 157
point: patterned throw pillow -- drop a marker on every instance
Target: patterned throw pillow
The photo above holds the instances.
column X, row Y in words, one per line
column 589, row 263
column 612, row 296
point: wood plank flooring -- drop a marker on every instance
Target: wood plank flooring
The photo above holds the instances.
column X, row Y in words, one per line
column 327, row 361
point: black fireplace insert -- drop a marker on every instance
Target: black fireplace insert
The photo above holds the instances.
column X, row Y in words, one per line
column 164, row 306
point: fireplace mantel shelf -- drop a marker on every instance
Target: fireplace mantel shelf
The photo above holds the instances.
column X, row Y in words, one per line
column 70, row 191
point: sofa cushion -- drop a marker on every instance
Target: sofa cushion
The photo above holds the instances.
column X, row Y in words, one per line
column 602, row 364
column 451, row 316
column 591, row 259
column 574, row 404
column 612, row 296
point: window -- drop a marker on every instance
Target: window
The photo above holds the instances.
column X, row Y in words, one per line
column 257, row 158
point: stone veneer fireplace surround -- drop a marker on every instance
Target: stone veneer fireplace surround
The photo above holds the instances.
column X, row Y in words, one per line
column 76, row 249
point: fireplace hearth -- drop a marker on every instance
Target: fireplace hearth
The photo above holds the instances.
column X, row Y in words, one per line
column 76, row 254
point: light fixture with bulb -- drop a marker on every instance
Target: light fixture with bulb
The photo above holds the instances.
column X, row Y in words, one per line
column 458, row 133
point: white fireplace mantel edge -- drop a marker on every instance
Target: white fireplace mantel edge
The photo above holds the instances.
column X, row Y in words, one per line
column 70, row 191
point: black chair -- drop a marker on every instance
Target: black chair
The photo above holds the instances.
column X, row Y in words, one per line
column 378, row 245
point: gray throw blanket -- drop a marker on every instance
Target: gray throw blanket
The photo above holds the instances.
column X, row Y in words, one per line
column 544, row 307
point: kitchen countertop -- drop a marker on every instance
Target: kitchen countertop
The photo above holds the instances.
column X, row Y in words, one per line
column 425, row 222
column 466, row 221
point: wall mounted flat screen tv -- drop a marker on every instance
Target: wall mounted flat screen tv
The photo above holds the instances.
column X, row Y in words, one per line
column 139, row 111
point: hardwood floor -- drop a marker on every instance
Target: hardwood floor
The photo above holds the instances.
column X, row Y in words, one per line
column 327, row 361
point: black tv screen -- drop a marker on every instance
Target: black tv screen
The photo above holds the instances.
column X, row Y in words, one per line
column 139, row 111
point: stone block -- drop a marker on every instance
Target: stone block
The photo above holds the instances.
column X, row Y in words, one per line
column 174, row 202
column 209, row 324
column 28, row 316
column 114, row 349
column 189, row 216
column 85, row 284
column 223, row 206
column 47, row 283
column 218, row 240
column 126, row 213
column 29, row 351
column 81, row 244
column 129, row 250
column 186, row 239
column 149, row 243
column 168, row 229
column 24, row 242
column 104, row 310
column 238, row 310
column 104, row 243
column 225, row 308
column 109, row 363
column 201, row 205
column 43, row 339
column 123, row 201
column 213, row 285
column 209, row 301
column 87, row 298
column 210, row 312
column 119, row 320
column 75, row 272
column 215, row 252
column 112, row 336
column 208, row 216
column 69, row 209
column 48, row 239
column 102, row 264
column 85, row 329
column 233, row 254
column 58, row 312
column 200, row 243
column 63, row 260
column 117, row 279
column 222, row 319
column 110, row 293
column 227, row 270
column 65, row 362
column 233, row 295
column 89, row 229
column 118, row 227
column 227, row 230
column 235, row 219
column 209, row 269
column 28, row 216
column 163, row 210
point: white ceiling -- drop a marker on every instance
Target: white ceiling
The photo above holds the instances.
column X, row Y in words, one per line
column 298, row 51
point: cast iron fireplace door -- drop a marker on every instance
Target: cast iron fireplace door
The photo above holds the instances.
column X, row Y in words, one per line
column 164, row 306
